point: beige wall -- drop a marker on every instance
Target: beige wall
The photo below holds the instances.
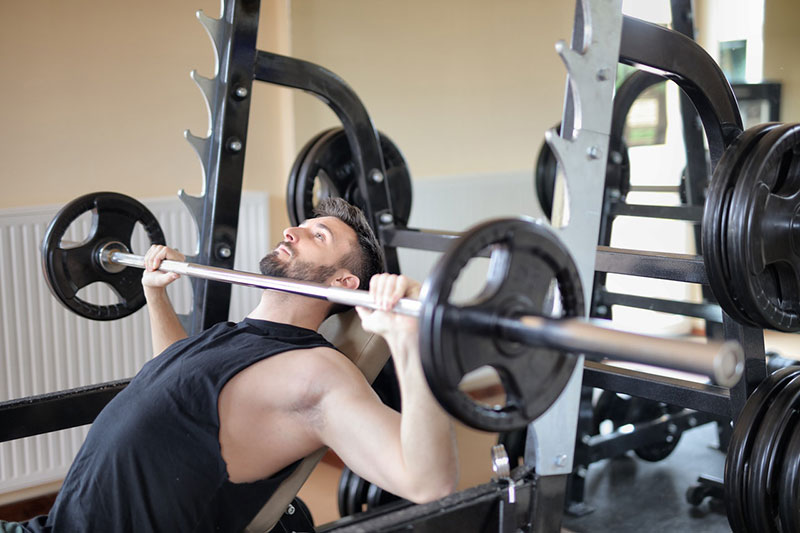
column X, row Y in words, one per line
column 461, row 86
column 781, row 42
column 96, row 95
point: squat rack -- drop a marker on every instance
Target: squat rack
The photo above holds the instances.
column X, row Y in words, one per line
column 216, row 211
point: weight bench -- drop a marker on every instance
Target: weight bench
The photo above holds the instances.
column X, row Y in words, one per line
column 369, row 352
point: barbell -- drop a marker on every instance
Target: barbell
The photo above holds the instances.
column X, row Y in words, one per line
column 524, row 323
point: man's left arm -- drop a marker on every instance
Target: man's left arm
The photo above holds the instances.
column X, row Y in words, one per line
column 414, row 457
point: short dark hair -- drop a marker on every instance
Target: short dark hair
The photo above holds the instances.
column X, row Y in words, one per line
column 369, row 258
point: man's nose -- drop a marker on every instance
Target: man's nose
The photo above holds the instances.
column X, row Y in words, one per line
column 290, row 234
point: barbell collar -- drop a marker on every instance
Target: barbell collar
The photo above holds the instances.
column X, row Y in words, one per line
column 722, row 361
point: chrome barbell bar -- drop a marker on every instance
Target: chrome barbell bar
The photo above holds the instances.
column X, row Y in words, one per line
column 722, row 361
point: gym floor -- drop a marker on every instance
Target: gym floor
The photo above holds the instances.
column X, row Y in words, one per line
column 632, row 495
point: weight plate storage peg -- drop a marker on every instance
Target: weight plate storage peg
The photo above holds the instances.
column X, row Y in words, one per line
column 325, row 168
column 68, row 269
column 528, row 269
column 762, row 224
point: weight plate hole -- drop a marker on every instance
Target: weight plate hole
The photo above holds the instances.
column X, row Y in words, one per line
column 98, row 293
column 484, row 387
column 471, row 285
column 78, row 232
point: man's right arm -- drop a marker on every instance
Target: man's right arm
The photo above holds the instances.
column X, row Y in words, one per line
column 164, row 324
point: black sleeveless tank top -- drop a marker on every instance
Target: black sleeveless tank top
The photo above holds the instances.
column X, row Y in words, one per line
column 151, row 460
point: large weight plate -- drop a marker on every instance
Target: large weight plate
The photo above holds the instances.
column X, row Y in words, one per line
column 715, row 221
column 789, row 488
column 325, row 168
column 292, row 185
column 743, row 439
column 68, row 270
column 527, row 262
column 767, row 457
column 764, row 253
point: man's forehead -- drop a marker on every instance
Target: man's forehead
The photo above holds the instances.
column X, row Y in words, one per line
column 333, row 224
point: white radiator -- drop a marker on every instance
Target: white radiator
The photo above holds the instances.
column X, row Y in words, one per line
column 46, row 348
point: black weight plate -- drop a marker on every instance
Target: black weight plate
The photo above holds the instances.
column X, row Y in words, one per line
column 342, row 495
column 376, row 497
column 631, row 410
column 618, row 168
column 766, row 458
column 742, row 442
column 356, row 494
column 67, row 270
column 327, row 169
column 715, row 221
column 544, row 177
column 291, row 186
column 765, row 263
column 610, row 406
column 527, row 259
column 789, row 484
column 645, row 411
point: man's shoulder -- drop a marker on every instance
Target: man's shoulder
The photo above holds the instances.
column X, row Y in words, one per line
column 325, row 359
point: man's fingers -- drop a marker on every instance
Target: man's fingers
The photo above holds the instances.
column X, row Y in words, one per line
column 157, row 253
column 387, row 289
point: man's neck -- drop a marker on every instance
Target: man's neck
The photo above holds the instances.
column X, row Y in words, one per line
column 293, row 309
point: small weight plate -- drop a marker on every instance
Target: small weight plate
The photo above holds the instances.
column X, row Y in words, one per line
column 356, row 494
column 645, row 411
column 67, row 270
column 763, row 253
column 715, row 221
column 341, row 491
column 325, row 168
column 377, row 497
column 618, row 168
column 527, row 262
column 741, row 445
column 544, row 177
column 631, row 410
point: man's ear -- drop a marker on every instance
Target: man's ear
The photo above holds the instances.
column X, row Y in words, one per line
column 346, row 280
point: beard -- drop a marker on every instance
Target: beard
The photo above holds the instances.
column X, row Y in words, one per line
column 298, row 269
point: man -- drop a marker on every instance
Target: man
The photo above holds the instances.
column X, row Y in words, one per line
column 209, row 428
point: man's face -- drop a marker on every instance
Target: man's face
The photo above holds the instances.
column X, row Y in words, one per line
column 313, row 251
